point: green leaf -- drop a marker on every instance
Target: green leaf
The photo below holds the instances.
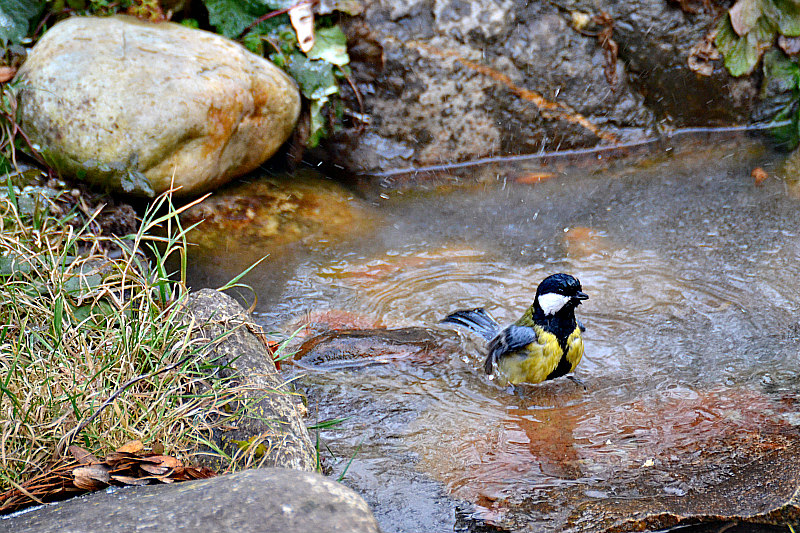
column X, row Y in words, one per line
column 781, row 73
column 786, row 15
column 317, row 130
column 330, row 45
column 327, row 424
column 100, row 312
column 16, row 17
column 743, row 53
column 232, row 17
column 315, row 78
column 252, row 41
column 82, row 286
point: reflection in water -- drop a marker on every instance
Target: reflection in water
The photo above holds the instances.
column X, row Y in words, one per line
column 691, row 344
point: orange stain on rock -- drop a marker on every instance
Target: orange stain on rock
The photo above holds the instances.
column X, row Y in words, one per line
column 531, row 178
column 759, row 175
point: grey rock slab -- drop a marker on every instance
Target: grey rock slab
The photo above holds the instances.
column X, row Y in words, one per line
column 132, row 105
column 252, row 501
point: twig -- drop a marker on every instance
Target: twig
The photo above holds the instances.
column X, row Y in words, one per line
column 361, row 124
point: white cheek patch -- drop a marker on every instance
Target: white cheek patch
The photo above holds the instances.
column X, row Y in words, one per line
column 551, row 303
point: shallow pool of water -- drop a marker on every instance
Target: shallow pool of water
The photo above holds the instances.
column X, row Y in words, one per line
column 692, row 337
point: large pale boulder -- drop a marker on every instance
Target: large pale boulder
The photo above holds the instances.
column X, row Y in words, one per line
column 130, row 104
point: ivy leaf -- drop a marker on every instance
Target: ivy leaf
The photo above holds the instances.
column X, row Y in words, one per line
column 331, row 46
column 15, row 18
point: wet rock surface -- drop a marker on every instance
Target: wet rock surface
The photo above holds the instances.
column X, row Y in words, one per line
column 760, row 492
column 271, row 415
column 255, row 501
column 451, row 81
column 129, row 105
column 656, row 43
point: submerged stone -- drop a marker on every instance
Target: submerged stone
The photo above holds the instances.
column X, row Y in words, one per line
column 568, row 462
column 132, row 105
column 270, row 213
column 353, row 348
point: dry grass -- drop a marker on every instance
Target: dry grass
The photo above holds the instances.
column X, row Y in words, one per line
column 94, row 349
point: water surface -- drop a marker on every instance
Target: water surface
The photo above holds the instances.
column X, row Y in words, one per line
column 691, row 342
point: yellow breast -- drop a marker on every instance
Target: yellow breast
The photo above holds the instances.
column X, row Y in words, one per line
column 536, row 361
column 574, row 348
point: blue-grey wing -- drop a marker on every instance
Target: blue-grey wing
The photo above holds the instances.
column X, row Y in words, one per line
column 509, row 340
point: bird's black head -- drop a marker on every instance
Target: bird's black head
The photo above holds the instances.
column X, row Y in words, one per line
column 558, row 292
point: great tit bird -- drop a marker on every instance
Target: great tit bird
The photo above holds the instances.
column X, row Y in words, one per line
column 544, row 344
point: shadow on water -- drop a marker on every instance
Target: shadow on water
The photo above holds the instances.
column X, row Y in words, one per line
column 691, row 345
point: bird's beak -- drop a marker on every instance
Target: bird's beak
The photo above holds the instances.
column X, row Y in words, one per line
column 580, row 296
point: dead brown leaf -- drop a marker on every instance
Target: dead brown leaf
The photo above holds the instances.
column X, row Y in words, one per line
column 790, row 45
column 703, row 54
column 115, row 458
column 197, row 472
column 687, row 7
column 92, row 477
column 134, row 446
column 88, row 473
column 82, row 456
column 130, row 480
column 98, row 472
column 7, row 73
column 610, row 48
column 166, row 461
column 155, row 470
column 302, row 18
column 744, row 15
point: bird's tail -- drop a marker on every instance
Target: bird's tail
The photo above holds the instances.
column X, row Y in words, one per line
column 477, row 320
